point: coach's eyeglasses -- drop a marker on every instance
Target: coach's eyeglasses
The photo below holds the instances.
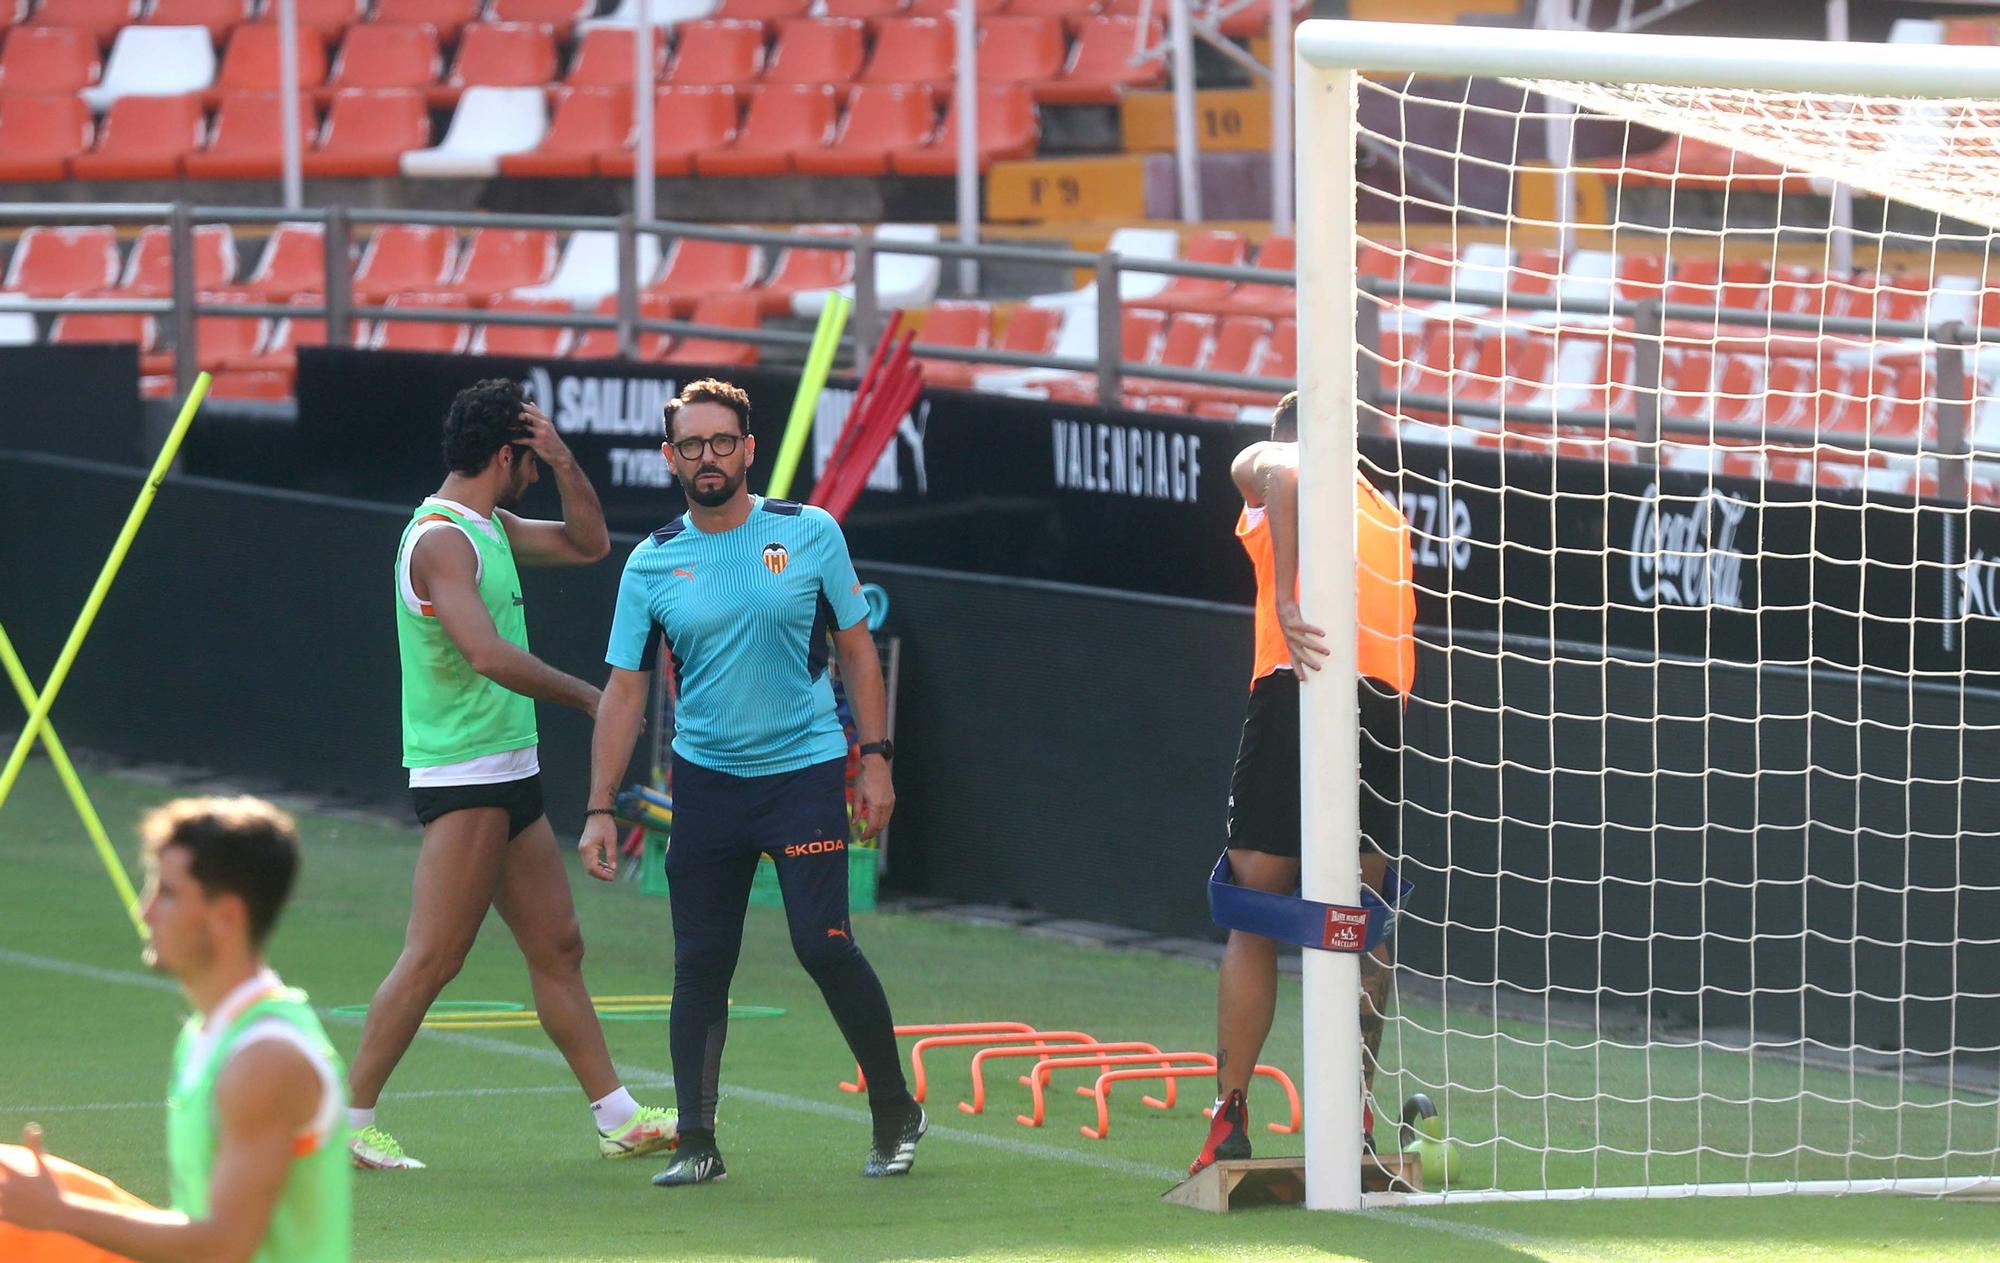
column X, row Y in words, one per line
column 721, row 444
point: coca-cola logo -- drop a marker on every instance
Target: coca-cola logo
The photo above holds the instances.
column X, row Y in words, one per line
column 1684, row 553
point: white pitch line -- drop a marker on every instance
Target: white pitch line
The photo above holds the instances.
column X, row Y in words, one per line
column 648, row 1076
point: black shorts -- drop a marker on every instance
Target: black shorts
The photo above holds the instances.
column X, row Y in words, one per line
column 790, row 815
column 1264, row 790
column 522, row 800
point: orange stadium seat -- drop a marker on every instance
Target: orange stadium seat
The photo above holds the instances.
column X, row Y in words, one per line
column 236, row 384
column 912, row 50
column 1072, row 12
column 734, row 311
column 949, row 8
column 526, row 341
column 764, row 10
column 149, row 271
column 437, row 338
column 220, row 341
column 717, row 51
column 560, row 16
column 602, row 344
column 143, row 137
column 587, row 122
column 40, row 134
column 501, row 260
column 293, row 263
column 806, row 268
column 1140, row 334
column 219, row 16
column 1020, row 50
column 1194, row 293
column 101, row 18
column 328, row 17
column 687, row 121
column 499, row 55
column 402, row 257
column 1008, row 128
column 825, row 50
column 695, row 269
column 446, row 17
column 882, row 118
column 1261, row 298
column 1100, row 67
column 378, row 56
column 958, row 324
column 247, row 141
column 250, row 63
column 57, row 262
column 48, row 61
column 368, row 130
column 1250, row 21
column 867, row 10
column 99, row 327
column 784, row 119
column 604, row 59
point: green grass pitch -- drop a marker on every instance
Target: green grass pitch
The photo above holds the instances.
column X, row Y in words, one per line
column 85, row 1036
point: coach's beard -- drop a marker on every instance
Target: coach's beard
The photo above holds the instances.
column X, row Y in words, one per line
column 722, row 492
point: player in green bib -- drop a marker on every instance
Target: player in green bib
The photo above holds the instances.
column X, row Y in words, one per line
column 254, row 1126
column 469, row 742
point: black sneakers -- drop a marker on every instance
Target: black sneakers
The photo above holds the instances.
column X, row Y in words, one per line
column 696, row 1162
column 897, row 1131
column 1228, row 1134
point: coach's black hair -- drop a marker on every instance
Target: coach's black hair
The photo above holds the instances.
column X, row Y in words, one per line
column 239, row 846
column 1285, row 419
column 484, row 417
column 709, row 390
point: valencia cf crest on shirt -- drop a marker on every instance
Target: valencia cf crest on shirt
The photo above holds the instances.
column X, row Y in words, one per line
column 777, row 557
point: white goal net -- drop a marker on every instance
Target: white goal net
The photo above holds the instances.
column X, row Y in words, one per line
column 1676, row 354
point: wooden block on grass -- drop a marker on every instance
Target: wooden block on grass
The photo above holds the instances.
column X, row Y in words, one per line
column 1227, row 1186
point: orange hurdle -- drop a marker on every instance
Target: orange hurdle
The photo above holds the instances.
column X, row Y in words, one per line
column 1078, row 1041
column 977, row 1104
column 1102, row 1092
column 940, row 1028
column 1038, row 1078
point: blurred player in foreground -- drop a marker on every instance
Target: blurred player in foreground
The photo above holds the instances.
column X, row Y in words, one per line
column 254, row 1103
column 470, row 741
column 1264, row 828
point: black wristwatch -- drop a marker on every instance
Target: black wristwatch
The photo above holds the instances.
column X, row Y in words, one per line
column 884, row 747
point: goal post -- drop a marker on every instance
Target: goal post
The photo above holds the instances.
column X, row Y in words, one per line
column 1468, row 353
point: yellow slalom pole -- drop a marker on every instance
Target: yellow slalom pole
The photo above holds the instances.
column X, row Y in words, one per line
column 812, row 380
column 64, row 661
column 93, row 825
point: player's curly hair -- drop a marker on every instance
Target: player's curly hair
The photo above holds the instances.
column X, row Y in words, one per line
column 709, row 390
column 484, row 417
column 1285, row 419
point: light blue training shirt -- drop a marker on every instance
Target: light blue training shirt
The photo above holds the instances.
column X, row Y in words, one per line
column 745, row 614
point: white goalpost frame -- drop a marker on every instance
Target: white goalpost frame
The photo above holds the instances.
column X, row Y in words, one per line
column 1331, row 58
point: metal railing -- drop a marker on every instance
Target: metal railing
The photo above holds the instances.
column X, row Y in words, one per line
column 1647, row 421
column 1954, row 448
column 339, row 309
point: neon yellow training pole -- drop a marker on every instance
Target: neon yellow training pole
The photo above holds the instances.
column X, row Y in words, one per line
column 812, row 380
column 93, row 824
column 64, row 661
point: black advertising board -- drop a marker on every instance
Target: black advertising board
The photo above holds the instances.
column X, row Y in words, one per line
column 979, row 483
column 1624, row 557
